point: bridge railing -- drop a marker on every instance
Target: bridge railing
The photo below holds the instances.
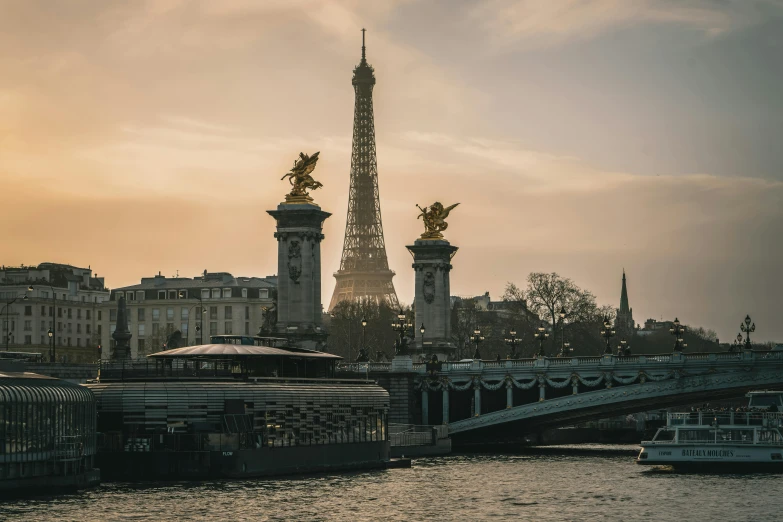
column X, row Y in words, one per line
column 602, row 362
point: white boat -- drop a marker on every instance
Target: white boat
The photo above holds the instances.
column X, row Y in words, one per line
column 721, row 440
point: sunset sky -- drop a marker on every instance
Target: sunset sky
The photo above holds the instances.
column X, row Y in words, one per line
column 581, row 137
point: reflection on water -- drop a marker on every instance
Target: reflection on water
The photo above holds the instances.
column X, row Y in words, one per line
column 563, row 483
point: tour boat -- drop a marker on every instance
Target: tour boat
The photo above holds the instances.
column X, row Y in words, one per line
column 719, row 440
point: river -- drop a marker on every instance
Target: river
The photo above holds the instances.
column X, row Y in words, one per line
column 583, row 482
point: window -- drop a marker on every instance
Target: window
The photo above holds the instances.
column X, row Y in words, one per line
column 244, row 292
column 84, row 299
column 263, row 293
column 78, row 341
column 155, row 328
column 228, row 313
column 161, row 294
column 213, row 328
column 213, row 312
column 112, row 327
column 43, row 325
column 99, row 315
column 70, row 313
column 184, row 312
column 141, row 330
column 130, row 296
column 28, row 339
column 216, row 293
column 247, row 313
column 184, row 330
column 172, row 294
column 51, row 311
column 28, row 310
column 140, row 345
column 59, row 311
column 69, row 341
column 226, row 293
column 169, row 314
column 229, row 327
column 87, row 328
column 140, row 295
column 78, row 327
column 99, row 330
column 113, row 314
column 156, row 314
column 169, row 328
column 45, row 295
column 205, row 293
column 88, row 314
column 28, row 325
column 70, row 327
column 141, row 314
column 79, row 313
column 59, row 327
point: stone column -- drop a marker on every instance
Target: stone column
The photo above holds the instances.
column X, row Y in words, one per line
column 299, row 238
column 509, row 395
column 445, row 404
column 425, row 405
column 432, row 296
column 477, row 397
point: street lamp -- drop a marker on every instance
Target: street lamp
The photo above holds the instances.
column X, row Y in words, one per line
column 542, row 335
column 54, row 321
column 607, row 333
column 401, row 326
column 513, row 342
column 363, row 350
column 623, row 345
column 562, row 315
column 477, row 338
column 677, row 330
column 7, row 309
column 51, row 353
column 567, row 347
column 183, row 295
column 747, row 328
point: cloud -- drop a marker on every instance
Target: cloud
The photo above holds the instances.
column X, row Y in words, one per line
column 554, row 22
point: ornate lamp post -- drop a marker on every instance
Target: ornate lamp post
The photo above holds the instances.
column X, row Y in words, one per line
column 677, row 330
column 562, row 315
column 567, row 348
column 542, row 335
column 477, row 338
column 747, row 328
column 51, row 353
column 607, row 333
column 401, row 326
column 513, row 342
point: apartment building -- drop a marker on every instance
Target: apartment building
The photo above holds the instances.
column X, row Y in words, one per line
column 213, row 303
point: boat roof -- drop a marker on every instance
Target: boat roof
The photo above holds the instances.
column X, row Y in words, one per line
column 240, row 350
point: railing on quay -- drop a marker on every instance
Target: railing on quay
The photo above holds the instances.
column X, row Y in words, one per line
column 416, row 434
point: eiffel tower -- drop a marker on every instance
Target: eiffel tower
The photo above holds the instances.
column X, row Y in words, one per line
column 364, row 273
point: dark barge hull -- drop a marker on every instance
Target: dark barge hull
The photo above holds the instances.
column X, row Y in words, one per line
column 245, row 463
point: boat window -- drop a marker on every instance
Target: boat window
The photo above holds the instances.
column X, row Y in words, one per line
column 664, row 435
column 699, row 435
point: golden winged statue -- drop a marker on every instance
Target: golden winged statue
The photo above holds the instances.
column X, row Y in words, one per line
column 301, row 180
column 435, row 220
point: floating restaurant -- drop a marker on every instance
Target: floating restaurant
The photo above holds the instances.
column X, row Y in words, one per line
column 47, row 434
column 239, row 407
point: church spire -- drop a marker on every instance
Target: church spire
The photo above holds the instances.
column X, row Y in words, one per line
column 624, row 307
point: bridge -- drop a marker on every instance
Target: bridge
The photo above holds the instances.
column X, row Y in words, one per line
column 507, row 399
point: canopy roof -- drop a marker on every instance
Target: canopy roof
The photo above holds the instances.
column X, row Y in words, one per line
column 240, row 350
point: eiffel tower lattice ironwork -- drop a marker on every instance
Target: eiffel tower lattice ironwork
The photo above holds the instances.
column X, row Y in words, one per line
column 364, row 273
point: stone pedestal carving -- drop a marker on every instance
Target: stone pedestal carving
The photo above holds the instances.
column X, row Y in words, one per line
column 432, row 301
column 299, row 306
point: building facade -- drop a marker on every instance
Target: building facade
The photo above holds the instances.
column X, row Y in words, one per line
column 160, row 306
column 51, row 297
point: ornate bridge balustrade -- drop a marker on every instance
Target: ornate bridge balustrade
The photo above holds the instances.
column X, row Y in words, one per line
column 530, row 394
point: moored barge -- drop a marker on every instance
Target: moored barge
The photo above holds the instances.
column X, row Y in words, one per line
column 239, row 407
